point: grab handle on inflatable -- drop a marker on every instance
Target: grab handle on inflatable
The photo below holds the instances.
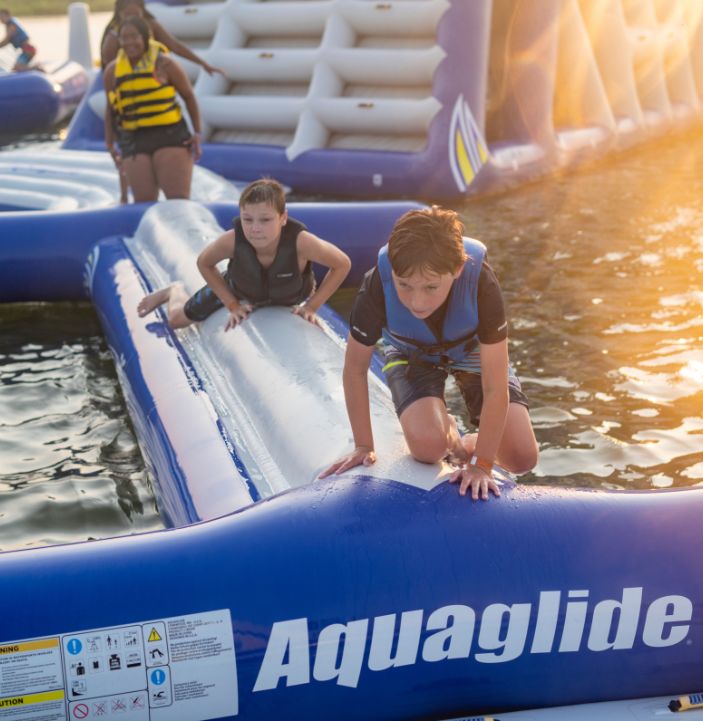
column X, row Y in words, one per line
column 686, row 703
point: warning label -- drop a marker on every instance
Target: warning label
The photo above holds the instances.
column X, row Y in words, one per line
column 172, row 669
column 154, row 635
column 31, row 681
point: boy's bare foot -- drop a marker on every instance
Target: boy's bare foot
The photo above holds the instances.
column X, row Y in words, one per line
column 468, row 442
column 152, row 301
column 464, row 448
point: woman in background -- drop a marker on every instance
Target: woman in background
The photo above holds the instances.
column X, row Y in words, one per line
column 156, row 149
column 124, row 9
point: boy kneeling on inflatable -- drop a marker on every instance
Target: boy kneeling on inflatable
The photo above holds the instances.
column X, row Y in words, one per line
column 437, row 305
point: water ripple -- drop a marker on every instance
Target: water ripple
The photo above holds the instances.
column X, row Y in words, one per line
column 70, row 468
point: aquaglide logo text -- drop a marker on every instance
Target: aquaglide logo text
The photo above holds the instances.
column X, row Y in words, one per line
column 560, row 622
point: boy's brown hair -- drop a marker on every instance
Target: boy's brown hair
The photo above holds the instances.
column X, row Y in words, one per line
column 265, row 190
column 428, row 240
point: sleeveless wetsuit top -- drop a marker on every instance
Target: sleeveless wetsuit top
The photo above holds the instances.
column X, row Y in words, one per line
column 413, row 337
column 140, row 100
column 281, row 283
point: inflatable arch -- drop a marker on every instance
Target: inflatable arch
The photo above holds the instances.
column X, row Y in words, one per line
column 430, row 98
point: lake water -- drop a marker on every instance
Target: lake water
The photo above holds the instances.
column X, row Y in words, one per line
column 602, row 272
column 70, row 467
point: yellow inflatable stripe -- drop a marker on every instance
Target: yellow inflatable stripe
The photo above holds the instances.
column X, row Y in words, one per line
column 462, row 156
column 482, row 152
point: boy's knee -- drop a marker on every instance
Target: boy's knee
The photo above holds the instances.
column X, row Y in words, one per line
column 428, row 445
column 522, row 460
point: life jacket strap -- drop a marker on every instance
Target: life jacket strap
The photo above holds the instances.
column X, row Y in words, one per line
column 439, row 348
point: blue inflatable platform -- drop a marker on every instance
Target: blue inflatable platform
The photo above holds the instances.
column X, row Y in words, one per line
column 35, row 101
column 378, row 594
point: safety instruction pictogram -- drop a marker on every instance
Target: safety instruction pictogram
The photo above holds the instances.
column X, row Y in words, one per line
column 80, row 711
column 155, row 644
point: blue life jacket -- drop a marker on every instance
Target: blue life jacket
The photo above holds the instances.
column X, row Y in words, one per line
column 413, row 337
column 20, row 37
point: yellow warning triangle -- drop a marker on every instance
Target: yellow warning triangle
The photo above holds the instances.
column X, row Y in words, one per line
column 154, row 635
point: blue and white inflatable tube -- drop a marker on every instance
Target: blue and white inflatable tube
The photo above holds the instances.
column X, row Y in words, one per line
column 376, row 594
column 35, row 101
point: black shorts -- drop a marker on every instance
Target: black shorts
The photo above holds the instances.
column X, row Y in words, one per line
column 146, row 141
column 203, row 303
column 411, row 381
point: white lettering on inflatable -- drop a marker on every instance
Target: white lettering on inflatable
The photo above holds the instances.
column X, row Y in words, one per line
column 381, row 654
column 546, row 625
column 455, row 632
column 503, row 634
column 289, row 639
column 574, row 622
column 616, row 620
column 353, row 637
column 489, row 636
column 667, row 621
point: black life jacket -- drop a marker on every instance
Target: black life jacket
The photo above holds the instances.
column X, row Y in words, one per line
column 281, row 283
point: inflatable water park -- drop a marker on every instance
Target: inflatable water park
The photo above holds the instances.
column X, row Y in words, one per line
column 378, row 593
column 429, row 98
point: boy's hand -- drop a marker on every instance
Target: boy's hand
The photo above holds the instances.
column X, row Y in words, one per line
column 477, row 479
column 307, row 313
column 358, row 457
column 237, row 314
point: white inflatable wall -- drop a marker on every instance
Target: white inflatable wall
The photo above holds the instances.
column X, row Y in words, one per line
column 561, row 77
column 295, row 72
column 49, row 178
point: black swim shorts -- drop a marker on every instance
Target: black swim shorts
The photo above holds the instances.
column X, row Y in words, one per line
column 146, row 141
column 410, row 381
column 203, row 303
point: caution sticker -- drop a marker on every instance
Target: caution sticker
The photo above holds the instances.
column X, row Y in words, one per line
column 172, row 669
column 31, row 681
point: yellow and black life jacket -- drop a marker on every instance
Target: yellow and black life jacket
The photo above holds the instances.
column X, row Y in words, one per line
column 139, row 99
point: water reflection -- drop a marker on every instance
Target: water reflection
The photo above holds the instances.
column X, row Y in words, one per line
column 70, row 468
column 602, row 272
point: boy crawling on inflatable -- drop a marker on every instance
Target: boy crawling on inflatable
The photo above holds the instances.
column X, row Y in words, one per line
column 270, row 263
column 436, row 304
